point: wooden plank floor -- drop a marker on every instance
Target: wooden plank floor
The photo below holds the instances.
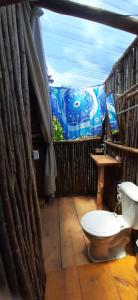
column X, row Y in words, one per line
column 70, row 275
column 51, row 237
column 64, row 244
column 107, row 281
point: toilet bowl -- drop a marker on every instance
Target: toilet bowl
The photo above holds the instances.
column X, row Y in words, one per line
column 108, row 232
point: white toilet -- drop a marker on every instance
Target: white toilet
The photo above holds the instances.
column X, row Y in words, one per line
column 108, row 232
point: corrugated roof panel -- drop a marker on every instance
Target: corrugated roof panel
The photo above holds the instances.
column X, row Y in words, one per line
column 81, row 53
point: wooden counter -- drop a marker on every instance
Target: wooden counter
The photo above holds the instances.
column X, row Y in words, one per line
column 102, row 161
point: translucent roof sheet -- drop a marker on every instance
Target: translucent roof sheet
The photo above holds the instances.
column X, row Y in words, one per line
column 81, row 53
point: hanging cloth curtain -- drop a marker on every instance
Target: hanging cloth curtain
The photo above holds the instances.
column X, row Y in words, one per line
column 37, row 69
column 77, row 113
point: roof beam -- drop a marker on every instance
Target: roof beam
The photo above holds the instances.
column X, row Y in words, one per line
column 98, row 15
column 7, row 2
column 90, row 13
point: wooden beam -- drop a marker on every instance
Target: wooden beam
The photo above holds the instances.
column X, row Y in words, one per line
column 98, row 15
column 90, row 13
column 125, row 94
column 123, row 148
column 8, row 2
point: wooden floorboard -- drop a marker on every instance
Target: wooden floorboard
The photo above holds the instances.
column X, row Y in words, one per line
column 97, row 283
column 51, row 237
column 73, row 247
column 125, row 277
column 106, row 281
column 64, row 244
column 83, row 205
column 63, row 285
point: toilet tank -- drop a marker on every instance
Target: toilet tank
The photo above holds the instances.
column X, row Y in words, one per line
column 129, row 201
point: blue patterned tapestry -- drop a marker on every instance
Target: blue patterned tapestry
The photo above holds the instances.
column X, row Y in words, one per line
column 112, row 115
column 77, row 113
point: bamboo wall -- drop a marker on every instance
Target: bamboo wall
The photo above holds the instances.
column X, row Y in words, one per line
column 124, row 73
column 77, row 173
column 123, row 82
column 21, row 264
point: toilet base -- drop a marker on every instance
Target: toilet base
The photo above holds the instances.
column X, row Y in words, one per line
column 112, row 255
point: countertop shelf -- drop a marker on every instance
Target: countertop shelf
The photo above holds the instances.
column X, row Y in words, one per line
column 104, row 160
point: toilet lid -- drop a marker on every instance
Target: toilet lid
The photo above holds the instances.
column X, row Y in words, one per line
column 101, row 223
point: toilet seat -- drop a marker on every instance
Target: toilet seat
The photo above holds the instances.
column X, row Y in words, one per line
column 101, row 223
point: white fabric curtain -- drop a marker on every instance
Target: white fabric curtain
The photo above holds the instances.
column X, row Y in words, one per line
column 38, row 73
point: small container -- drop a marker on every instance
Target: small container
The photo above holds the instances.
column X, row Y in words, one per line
column 98, row 151
column 118, row 158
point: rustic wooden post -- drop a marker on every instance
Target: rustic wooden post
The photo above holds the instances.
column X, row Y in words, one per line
column 100, row 187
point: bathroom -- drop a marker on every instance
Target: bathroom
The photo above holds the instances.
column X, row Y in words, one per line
column 68, row 206
column 77, row 186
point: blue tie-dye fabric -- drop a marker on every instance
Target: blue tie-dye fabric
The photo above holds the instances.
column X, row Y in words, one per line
column 79, row 112
column 113, row 121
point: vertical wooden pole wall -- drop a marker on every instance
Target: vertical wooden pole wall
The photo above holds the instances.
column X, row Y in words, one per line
column 21, row 264
column 123, row 80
